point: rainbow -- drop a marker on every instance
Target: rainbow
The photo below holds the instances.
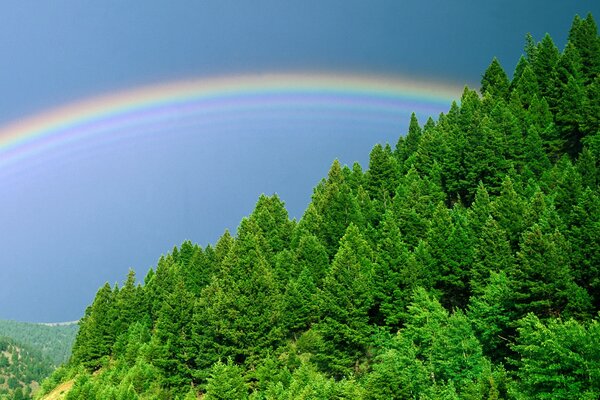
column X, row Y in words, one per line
column 212, row 101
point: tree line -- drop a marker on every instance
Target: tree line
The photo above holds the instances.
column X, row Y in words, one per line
column 463, row 263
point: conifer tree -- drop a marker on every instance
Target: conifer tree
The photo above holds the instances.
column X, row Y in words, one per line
column 393, row 278
column 450, row 256
column 558, row 359
column 226, row 382
column 584, row 236
column 344, row 304
column 546, row 57
column 492, row 253
column 495, row 81
column 172, row 348
column 526, row 88
column 337, row 207
column 543, row 283
column 572, row 106
column 382, row 175
column 584, row 37
column 508, row 209
column 95, row 337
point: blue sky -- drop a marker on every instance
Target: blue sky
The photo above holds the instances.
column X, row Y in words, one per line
column 80, row 221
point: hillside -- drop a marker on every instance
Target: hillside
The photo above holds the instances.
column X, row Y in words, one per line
column 21, row 370
column 54, row 341
column 464, row 263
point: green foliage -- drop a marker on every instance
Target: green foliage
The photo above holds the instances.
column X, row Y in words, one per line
column 21, row 368
column 495, row 81
column 226, row 382
column 52, row 340
column 558, row 359
column 462, row 265
column 344, row 304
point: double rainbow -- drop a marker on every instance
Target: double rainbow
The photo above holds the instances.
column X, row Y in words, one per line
column 154, row 109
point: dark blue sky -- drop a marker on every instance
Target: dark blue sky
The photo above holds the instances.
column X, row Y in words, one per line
column 80, row 221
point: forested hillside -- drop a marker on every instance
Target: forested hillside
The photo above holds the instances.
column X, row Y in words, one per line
column 463, row 263
column 21, row 370
column 54, row 341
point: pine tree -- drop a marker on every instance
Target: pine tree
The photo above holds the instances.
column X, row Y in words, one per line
column 591, row 121
column 273, row 220
column 337, row 207
column 558, row 359
column 495, row 81
column 450, row 256
column 95, row 337
column 492, row 253
column 526, row 88
column 584, row 236
column 534, row 154
column 543, row 283
column 493, row 313
column 172, row 347
column 445, row 343
column 344, row 304
column 382, row 176
column 226, row 382
column 312, row 256
column 508, row 209
column 584, row 37
column 546, row 57
column 572, row 106
column 518, row 72
column 393, row 279
column 407, row 146
column 414, row 203
column 299, row 304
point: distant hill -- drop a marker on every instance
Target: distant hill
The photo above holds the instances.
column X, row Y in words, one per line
column 53, row 340
column 21, row 369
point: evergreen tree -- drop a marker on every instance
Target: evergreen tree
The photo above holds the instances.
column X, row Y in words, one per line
column 572, row 106
column 226, row 382
column 172, row 347
column 381, row 178
column 492, row 253
column 408, row 145
column 584, row 236
column 344, row 304
column 546, row 57
column 450, row 256
column 492, row 313
column 415, row 201
column 393, row 278
column 543, row 283
column 336, row 205
column 508, row 209
column 584, row 37
column 558, row 359
column 95, row 338
column 495, row 81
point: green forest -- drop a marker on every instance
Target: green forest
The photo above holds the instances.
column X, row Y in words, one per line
column 462, row 263
column 29, row 352
column 22, row 368
column 53, row 341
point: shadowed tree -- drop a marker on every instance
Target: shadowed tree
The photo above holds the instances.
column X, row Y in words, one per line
column 344, row 304
column 495, row 81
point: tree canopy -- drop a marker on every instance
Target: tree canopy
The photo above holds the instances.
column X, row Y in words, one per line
column 463, row 263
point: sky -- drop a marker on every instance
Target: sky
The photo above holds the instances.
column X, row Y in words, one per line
column 77, row 213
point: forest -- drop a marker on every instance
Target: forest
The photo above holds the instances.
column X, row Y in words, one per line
column 462, row 263
column 53, row 341
column 29, row 353
column 22, row 368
